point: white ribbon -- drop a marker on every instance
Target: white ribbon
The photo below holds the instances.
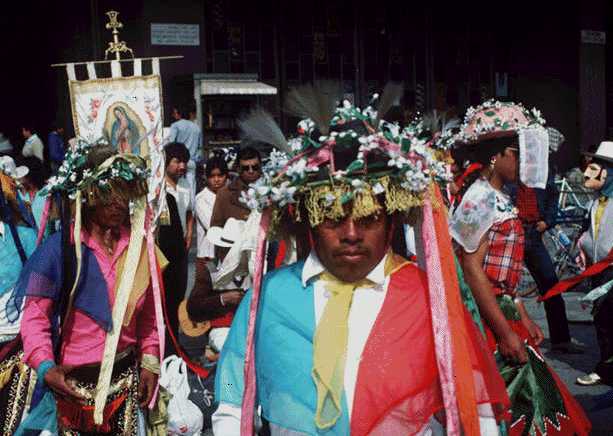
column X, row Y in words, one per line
column 155, row 66
column 91, row 71
column 138, row 67
column 119, row 308
column 70, row 71
column 115, row 69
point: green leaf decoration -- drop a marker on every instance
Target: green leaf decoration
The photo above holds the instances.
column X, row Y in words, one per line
column 508, row 307
column 355, row 166
column 505, row 125
column 346, row 197
column 490, row 113
column 533, row 392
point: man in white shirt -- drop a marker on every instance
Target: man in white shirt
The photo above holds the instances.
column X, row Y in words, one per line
column 175, row 235
column 187, row 132
column 33, row 145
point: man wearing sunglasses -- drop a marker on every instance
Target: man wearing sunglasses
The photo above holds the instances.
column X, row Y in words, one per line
column 227, row 203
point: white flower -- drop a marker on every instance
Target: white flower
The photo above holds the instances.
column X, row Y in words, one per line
column 378, row 189
column 283, row 194
column 329, row 199
column 297, row 170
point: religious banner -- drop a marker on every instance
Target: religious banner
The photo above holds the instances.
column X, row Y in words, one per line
column 125, row 112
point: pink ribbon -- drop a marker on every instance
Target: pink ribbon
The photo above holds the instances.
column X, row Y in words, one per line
column 389, row 146
column 157, row 296
column 248, row 407
column 43, row 220
column 321, row 156
column 440, row 319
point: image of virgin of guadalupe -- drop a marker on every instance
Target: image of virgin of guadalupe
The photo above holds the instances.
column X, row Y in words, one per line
column 124, row 130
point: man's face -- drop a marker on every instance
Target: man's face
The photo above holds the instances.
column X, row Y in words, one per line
column 249, row 170
column 111, row 215
column 176, row 169
column 350, row 249
column 594, row 176
column 26, row 133
column 175, row 114
column 60, row 130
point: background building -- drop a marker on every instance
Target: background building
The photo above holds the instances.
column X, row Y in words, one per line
column 448, row 55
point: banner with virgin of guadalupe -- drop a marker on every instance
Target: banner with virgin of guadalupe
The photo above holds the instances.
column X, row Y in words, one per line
column 125, row 112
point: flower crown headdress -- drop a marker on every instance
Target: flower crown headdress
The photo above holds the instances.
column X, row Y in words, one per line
column 342, row 154
column 121, row 174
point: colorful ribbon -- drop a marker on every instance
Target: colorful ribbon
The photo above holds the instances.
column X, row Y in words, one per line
column 565, row 285
column 248, row 407
column 43, row 220
column 440, row 319
column 157, row 296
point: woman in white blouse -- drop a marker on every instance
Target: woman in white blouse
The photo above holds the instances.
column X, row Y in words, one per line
column 216, row 173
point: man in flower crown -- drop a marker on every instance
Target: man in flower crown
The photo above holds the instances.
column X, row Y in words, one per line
column 90, row 316
column 344, row 338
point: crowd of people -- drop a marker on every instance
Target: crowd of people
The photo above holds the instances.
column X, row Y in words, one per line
column 360, row 279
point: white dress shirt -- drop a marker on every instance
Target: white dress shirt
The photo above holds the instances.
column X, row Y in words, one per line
column 183, row 197
column 205, row 200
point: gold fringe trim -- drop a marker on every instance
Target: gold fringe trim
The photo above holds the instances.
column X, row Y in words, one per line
column 326, row 201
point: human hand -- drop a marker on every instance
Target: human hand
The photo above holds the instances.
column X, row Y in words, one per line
column 55, row 378
column 541, row 226
column 512, row 348
column 146, row 387
column 188, row 243
column 233, row 297
column 535, row 331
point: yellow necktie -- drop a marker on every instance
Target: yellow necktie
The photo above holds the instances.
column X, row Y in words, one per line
column 330, row 343
column 602, row 204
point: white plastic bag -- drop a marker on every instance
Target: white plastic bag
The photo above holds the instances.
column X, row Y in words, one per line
column 184, row 417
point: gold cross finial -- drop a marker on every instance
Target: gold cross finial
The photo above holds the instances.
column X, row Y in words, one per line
column 113, row 24
column 116, row 46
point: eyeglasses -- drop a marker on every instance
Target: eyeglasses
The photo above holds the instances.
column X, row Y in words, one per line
column 255, row 168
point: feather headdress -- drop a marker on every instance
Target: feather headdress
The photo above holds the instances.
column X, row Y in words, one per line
column 317, row 102
column 259, row 125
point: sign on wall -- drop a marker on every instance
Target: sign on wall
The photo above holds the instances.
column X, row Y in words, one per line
column 175, row 34
column 593, row 37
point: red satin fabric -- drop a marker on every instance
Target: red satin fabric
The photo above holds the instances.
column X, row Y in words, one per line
column 397, row 384
column 81, row 418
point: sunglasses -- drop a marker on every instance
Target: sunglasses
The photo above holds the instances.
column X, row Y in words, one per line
column 254, row 168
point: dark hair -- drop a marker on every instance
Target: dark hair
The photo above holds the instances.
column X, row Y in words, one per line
column 176, row 150
column 28, row 127
column 99, row 154
column 482, row 152
column 213, row 163
column 181, row 110
column 55, row 125
column 248, row 152
column 37, row 172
